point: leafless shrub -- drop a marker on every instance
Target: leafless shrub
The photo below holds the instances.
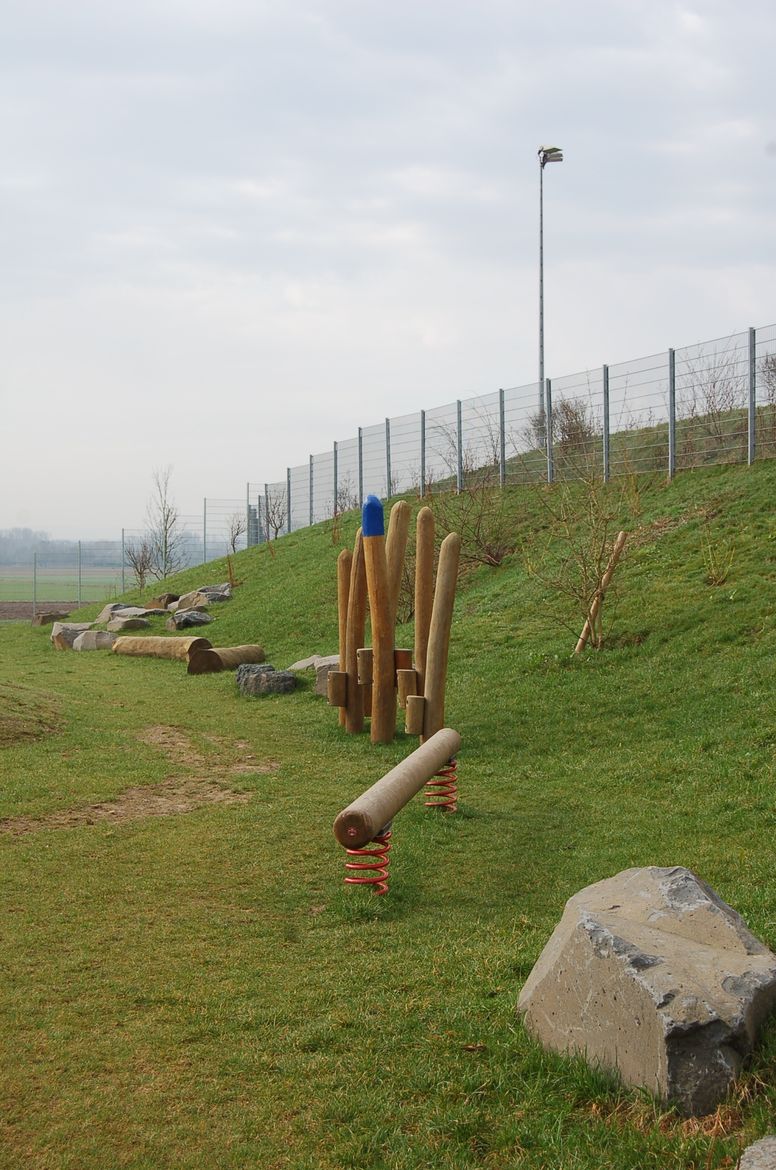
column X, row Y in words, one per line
column 139, row 555
column 581, row 534
column 237, row 525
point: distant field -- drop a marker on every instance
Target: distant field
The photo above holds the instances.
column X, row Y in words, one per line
column 16, row 583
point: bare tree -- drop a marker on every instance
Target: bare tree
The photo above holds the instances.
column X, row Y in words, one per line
column 238, row 524
column 275, row 510
column 139, row 554
column 164, row 533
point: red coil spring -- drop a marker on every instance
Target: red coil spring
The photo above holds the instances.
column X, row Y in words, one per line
column 443, row 788
column 373, row 872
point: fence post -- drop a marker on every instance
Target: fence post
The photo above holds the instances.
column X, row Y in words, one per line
column 311, row 491
column 548, row 429
column 422, row 454
column 34, row 584
column 123, row 558
column 606, row 425
column 266, row 509
column 248, row 524
column 752, row 417
column 502, row 441
column 79, row 574
column 288, row 500
column 388, row 458
column 336, row 509
column 204, row 531
column 259, row 520
column 459, row 447
column 671, row 414
column 360, row 466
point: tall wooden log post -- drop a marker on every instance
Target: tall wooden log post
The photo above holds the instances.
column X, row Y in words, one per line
column 383, row 722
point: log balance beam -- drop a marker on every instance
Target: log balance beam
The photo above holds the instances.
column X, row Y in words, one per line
column 152, row 646
column 217, row 658
column 362, row 820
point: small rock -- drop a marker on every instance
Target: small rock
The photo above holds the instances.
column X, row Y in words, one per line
column 49, row 616
column 262, row 679
column 117, row 624
column 166, row 599
column 192, row 600
column 217, row 592
column 322, row 675
column 94, row 640
column 108, row 611
column 184, row 619
column 63, row 634
column 314, row 661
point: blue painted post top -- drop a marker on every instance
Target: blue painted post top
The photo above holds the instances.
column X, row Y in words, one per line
column 372, row 519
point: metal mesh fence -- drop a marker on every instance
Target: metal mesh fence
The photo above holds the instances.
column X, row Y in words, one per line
column 714, row 402
column 638, row 415
column 712, row 389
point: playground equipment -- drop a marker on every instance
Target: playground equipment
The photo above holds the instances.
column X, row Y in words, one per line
column 155, row 647
column 367, row 821
column 371, row 679
column 209, row 660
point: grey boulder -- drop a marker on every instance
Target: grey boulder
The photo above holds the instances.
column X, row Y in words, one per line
column 221, row 592
column 94, row 640
column 651, row 974
column 184, row 619
column 760, row 1156
column 63, row 634
column 262, row 679
column 192, row 600
column 117, row 624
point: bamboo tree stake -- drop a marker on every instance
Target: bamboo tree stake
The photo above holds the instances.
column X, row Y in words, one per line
column 595, row 608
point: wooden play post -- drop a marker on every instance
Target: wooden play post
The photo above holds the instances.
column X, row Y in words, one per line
column 363, row 820
column 439, row 636
column 383, row 722
column 354, row 637
column 395, row 551
column 344, row 566
column 424, row 589
column 589, row 627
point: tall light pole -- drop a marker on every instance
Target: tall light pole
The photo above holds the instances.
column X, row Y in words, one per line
column 546, row 154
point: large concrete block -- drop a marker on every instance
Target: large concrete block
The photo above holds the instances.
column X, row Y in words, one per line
column 651, row 974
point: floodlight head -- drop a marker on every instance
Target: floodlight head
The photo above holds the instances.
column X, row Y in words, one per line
column 549, row 154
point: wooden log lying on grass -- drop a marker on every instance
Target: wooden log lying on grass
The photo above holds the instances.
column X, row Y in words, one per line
column 362, row 820
column 211, row 659
column 156, row 647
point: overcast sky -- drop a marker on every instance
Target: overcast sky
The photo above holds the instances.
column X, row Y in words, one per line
column 232, row 231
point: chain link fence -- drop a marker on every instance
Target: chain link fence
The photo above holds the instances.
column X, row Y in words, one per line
column 713, row 402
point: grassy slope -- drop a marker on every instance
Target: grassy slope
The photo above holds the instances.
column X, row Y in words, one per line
column 198, row 991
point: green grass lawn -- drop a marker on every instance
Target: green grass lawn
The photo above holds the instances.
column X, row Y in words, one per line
column 17, row 584
column 200, row 991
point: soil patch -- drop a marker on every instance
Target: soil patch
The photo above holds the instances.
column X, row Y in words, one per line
column 173, row 796
column 24, row 611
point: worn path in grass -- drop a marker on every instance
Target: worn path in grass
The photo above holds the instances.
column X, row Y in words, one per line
column 198, row 990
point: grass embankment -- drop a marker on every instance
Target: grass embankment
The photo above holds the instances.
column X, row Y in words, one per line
column 198, row 991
